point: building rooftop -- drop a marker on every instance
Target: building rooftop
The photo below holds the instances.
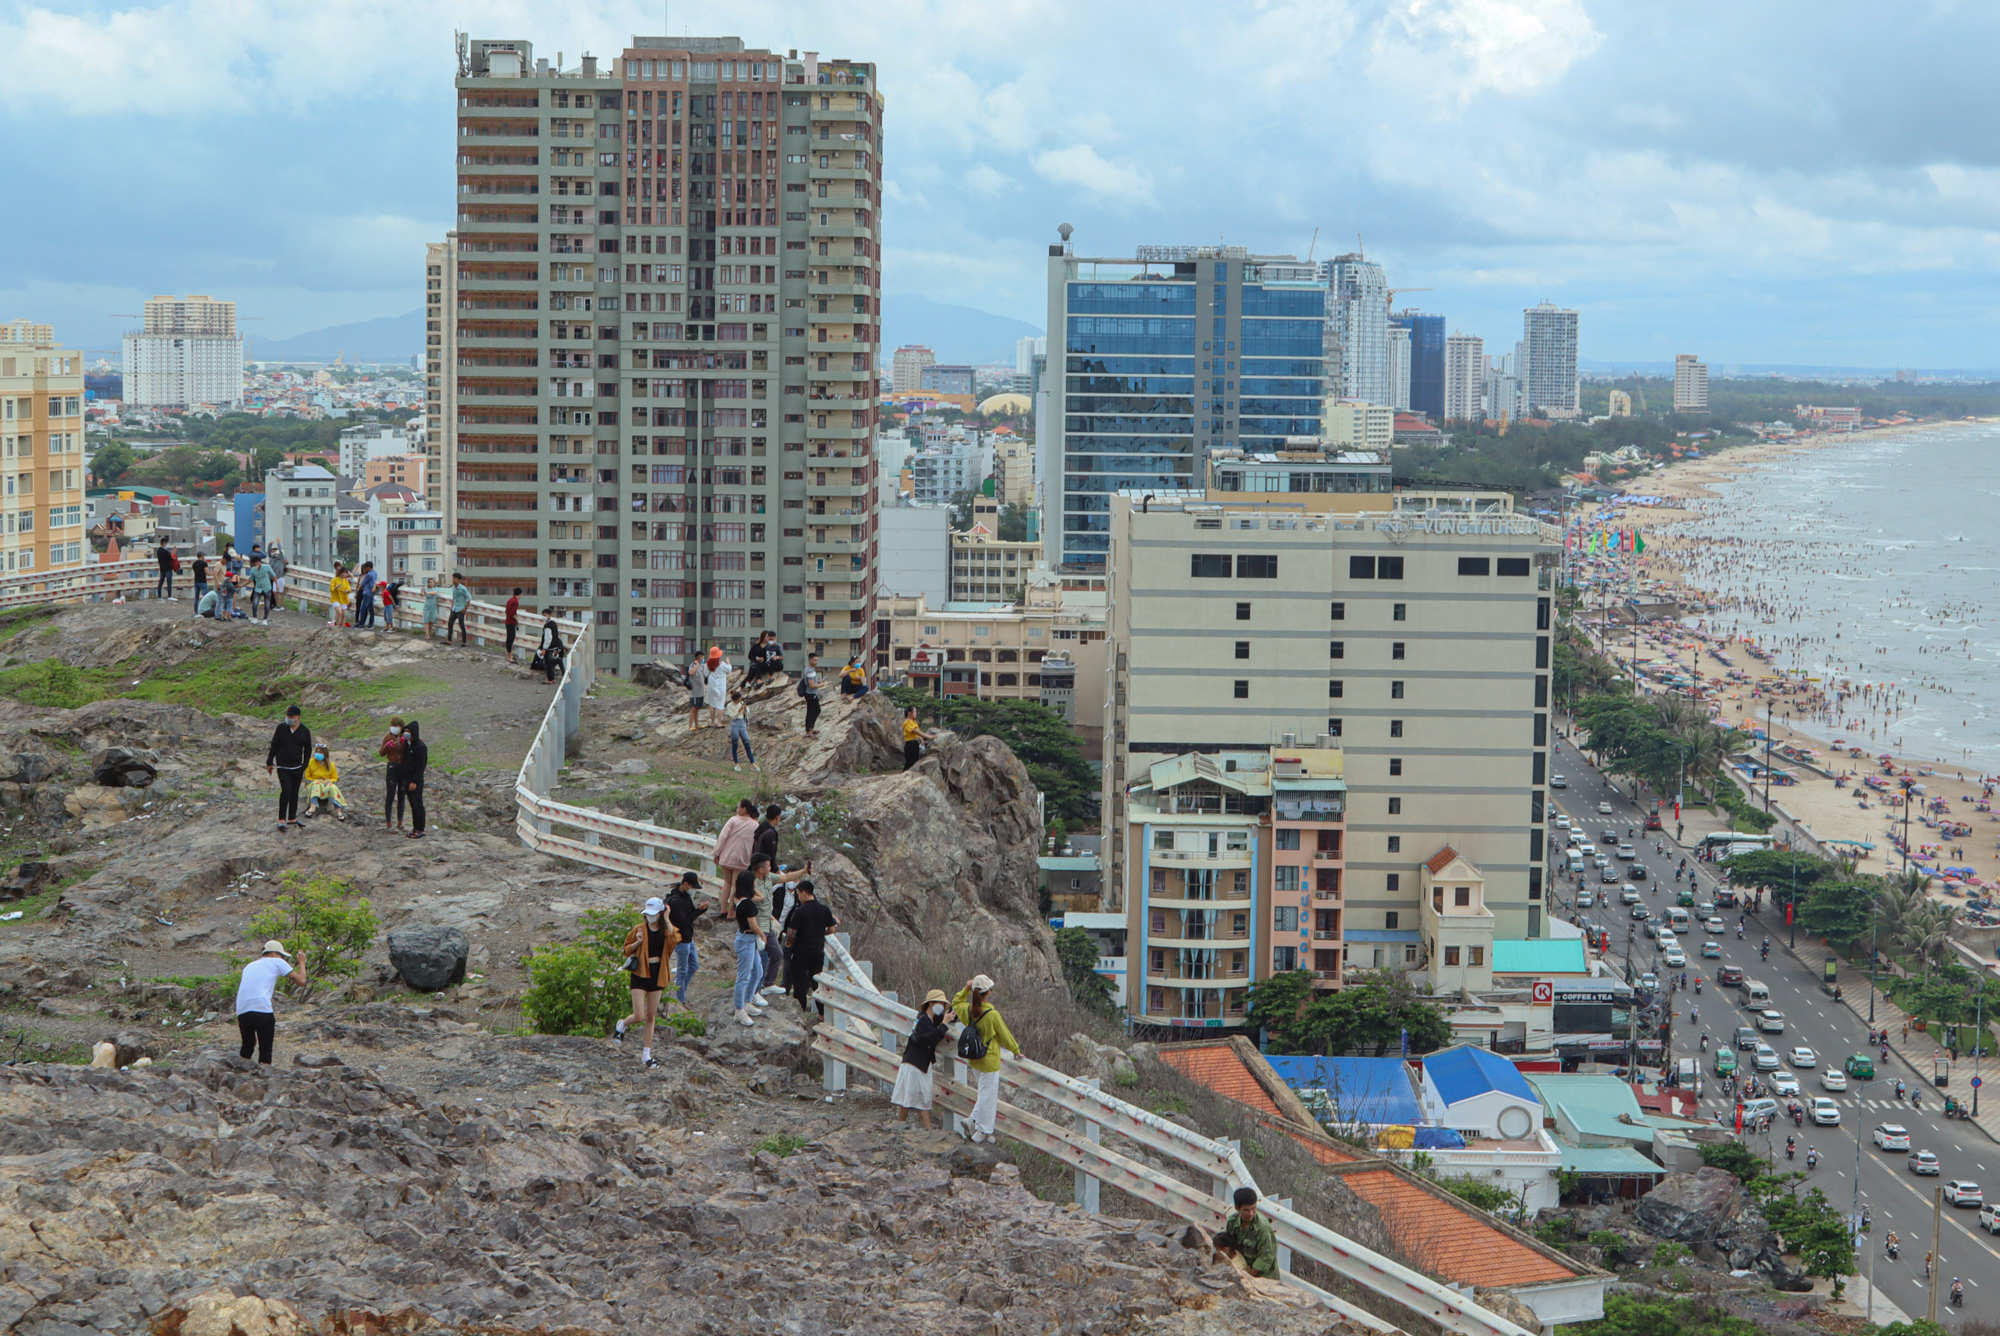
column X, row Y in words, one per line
column 1374, row 1091
column 1594, row 1106
column 1449, row 1238
column 1540, row 956
column 1465, row 1072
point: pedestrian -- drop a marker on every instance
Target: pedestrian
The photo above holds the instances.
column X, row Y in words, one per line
column 784, row 898
column 323, row 783
column 648, row 949
column 717, row 687
column 416, row 759
column 1247, row 1240
column 393, row 749
column 747, row 906
column 513, row 620
column 683, row 910
column 200, row 576
column 260, row 591
column 913, row 737
column 765, row 841
column 168, row 564
column 291, row 748
column 739, row 733
column 766, row 658
column 807, row 927
column 392, row 593
column 206, row 605
column 256, row 1000
column 1906, row 1035
column 735, row 842
column 550, row 653
column 227, row 586
column 461, row 599
column 697, row 685
column 276, row 561
column 364, row 597
column 809, row 687
column 336, row 596
column 854, row 681
column 913, row 1077
column 973, row 1005
column 430, row 607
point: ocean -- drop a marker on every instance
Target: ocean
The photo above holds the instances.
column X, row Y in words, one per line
column 1876, row 562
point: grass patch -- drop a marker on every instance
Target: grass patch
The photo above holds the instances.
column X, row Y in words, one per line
column 784, row 1144
column 31, row 908
column 22, row 1045
column 244, row 680
column 196, row 982
column 15, row 620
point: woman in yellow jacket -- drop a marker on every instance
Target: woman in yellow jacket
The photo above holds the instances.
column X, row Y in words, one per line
column 336, row 596
column 323, row 783
column 974, row 1005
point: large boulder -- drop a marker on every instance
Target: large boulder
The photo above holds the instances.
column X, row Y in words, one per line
column 125, row 768
column 1688, row 1208
column 429, row 956
column 99, row 807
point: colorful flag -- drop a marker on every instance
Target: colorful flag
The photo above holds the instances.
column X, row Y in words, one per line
column 1638, row 541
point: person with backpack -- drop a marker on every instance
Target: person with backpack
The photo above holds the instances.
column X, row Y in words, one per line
column 549, row 654
column 168, row 564
column 808, row 923
column 394, row 750
column 979, row 1043
column 913, row 1077
column 809, row 686
column 649, row 949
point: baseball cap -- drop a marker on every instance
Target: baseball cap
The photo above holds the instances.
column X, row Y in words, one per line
column 279, row 947
column 655, row 905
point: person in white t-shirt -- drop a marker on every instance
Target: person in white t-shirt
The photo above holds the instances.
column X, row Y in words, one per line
column 256, row 1017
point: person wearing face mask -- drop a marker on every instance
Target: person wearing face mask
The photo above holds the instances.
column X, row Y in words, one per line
column 913, row 1077
column 649, row 949
column 416, row 760
column 395, row 747
column 291, row 747
column 323, row 784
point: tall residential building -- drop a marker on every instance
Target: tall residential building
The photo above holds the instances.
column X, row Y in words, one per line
column 440, row 388
column 1361, row 426
column 1690, row 384
column 1464, row 378
column 1399, row 367
column 1245, row 332
column 1435, row 715
column 1357, row 314
column 907, row 370
column 1503, row 393
column 41, row 438
column 369, row 440
column 1026, row 349
column 186, row 354
column 1426, row 362
column 944, row 379
column 1550, row 334
column 665, row 342
column 1620, row 404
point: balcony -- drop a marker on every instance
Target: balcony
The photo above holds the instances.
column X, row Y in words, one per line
column 1168, row 900
column 1221, row 858
column 1176, row 979
column 1325, row 935
column 837, row 229
column 835, row 489
column 836, row 604
column 1327, row 855
column 1326, row 895
column 1330, row 976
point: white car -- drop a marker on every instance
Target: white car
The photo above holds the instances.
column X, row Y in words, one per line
column 1772, row 1022
column 1629, row 896
column 1585, row 899
column 1675, row 957
column 1924, row 1162
column 1784, row 1083
column 1603, row 861
column 1833, row 1079
column 1562, row 823
column 1892, row 1136
column 1558, row 782
column 1825, row 1112
column 1963, row 1192
column 1604, row 809
column 1625, row 851
column 1766, row 1059
column 1586, row 848
column 1803, row 1057
column 1667, row 936
column 1714, row 925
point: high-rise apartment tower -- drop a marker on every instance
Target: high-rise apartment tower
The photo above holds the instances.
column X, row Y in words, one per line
column 187, row 353
column 661, row 341
column 1549, row 331
column 1426, row 362
column 1464, row 378
column 1690, row 384
column 41, row 433
column 1357, row 314
column 907, row 368
column 1399, row 367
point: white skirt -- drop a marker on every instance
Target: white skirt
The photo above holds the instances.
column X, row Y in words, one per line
column 913, row 1088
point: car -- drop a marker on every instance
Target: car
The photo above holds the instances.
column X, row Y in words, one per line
column 1989, row 1218
column 1627, row 851
column 1771, row 1022
column 1562, row 823
column 1629, row 896
column 1725, row 898
column 1558, row 782
column 1759, row 1110
column 1891, row 1136
column 1714, row 925
column 1610, row 837
column 1604, row 809
column 1585, row 899
column 1640, row 913
column 1784, row 1083
column 1832, row 1078
column 1653, row 821
column 1729, row 975
column 1766, row 1059
column 1637, row 872
column 1705, row 909
column 1606, row 875
column 1675, row 957
column 1861, row 1067
column 1924, row 1162
column 1746, row 1038
column 1825, row 1112
column 1963, row 1192
column 1650, row 982
column 1602, row 860
column 1801, row 1056
column 1711, row 950
column 1586, row 848
column 1666, row 935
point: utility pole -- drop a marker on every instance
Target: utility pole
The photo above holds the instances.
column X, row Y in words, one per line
column 1978, row 1038
column 1872, row 902
column 1767, row 758
column 1937, row 1246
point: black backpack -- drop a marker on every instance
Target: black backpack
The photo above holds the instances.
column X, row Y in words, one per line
column 971, row 1044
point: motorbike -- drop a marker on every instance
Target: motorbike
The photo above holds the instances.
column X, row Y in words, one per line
column 1704, row 1043
column 1957, row 1295
column 1697, row 987
column 1763, row 953
column 1895, row 1247
column 1812, row 1159
column 1790, row 1149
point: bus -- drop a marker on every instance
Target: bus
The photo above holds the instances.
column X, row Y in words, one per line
column 1723, row 843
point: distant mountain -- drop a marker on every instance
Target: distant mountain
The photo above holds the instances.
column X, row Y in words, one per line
column 957, row 334
column 392, row 338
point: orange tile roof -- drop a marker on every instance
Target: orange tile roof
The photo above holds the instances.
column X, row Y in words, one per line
column 1446, row 1240
column 1441, row 859
column 1326, row 1152
column 1217, row 1067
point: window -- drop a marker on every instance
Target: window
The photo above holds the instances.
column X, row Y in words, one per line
column 1395, row 765
column 1242, row 689
column 1334, row 688
column 1395, row 728
column 1336, row 649
column 1475, row 955
column 1395, row 807
column 1340, row 612
column 1390, row 919
column 1395, row 844
column 1513, row 565
column 1242, row 649
column 1541, row 614
column 1361, row 568
column 1284, row 959
column 1285, row 878
column 1396, row 649
column 1395, row 691
column 1242, row 612
column 1257, row 568
column 1389, row 568
column 1541, row 651
column 1474, row 566
column 1394, row 882
column 1285, row 918
column 1208, row 566
column 1461, row 896
column 1287, row 839
column 1163, row 839
column 1333, row 728
column 1398, row 611
column 1451, row 955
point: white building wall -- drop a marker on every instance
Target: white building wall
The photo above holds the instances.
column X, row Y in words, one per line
column 914, row 556
column 1464, row 378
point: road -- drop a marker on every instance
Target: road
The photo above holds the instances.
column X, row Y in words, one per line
column 1896, row 1198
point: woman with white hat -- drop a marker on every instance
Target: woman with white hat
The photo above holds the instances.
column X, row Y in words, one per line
column 913, row 1077
column 648, row 948
column 982, row 1017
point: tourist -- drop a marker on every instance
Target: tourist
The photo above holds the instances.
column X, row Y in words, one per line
column 168, row 563
column 739, row 734
column 972, row 1004
column 392, row 593
column 461, row 599
column 393, row 749
column 226, row 611
column 716, row 687
column 807, row 925
column 200, row 576
column 364, row 597
column 854, row 681
column 648, row 948
column 549, row 654
column 291, row 747
column 735, row 842
column 765, row 842
column 336, row 596
column 809, row 686
column 682, row 909
column 513, row 620
column 913, row 1076
column 430, row 606
column 260, row 591
column 256, row 1000
column 206, row 605
column 323, row 783
column 279, row 566
column 747, row 906
column 914, row 737
column 1247, row 1240
column 766, row 657
column 416, row 760
column 697, row 685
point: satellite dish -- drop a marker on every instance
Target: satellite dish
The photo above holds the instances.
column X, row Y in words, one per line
column 1064, row 231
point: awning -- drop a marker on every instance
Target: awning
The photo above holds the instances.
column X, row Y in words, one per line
column 1607, row 1161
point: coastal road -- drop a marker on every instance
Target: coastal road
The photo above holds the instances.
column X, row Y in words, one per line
column 1897, row 1199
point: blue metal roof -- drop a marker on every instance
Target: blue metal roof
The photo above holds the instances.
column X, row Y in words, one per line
column 1382, row 935
column 1375, row 1091
column 1465, row 1072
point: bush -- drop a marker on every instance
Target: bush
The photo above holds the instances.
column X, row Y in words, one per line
column 1735, row 1157
column 574, row 990
column 784, row 1144
column 322, row 922
column 1486, row 1196
column 686, row 1022
column 1078, row 954
column 52, row 684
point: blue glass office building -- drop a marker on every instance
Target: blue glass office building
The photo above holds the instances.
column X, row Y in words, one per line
column 1426, row 361
column 1164, row 356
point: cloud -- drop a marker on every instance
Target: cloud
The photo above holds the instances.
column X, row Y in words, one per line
column 985, row 180
column 1082, row 166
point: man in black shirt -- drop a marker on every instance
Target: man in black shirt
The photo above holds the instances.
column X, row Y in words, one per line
column 747, row 905
column 683, row 911
column 765, row 842
column 291, row 745
column 805, row 932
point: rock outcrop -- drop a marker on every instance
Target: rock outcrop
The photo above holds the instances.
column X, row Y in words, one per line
column 1688, row 1208
column 429, row 956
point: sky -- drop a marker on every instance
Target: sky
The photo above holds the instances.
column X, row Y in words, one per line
column 1766, row 183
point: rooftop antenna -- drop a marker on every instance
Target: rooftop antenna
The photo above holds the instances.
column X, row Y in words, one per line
column 1314, row 246
column 1359, row 248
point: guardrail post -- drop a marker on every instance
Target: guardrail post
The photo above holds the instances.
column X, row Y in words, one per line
column 961, row 1072
column 1285, row 1253
column 1222, row 1188
column 891, row 1039
column 833, row 1075
column 1086, row 1185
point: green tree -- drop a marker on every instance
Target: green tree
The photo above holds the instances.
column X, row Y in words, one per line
column 1013, row 524
column 1778, row 871
column 1036, row 735
column 1633, row 1315
column 1368, row 1015
column 1078, row 954
column 1275, row 1003
column 321, row 921
column 961, row 508
column 110, row 462
column 1735, row 1157
column 1839, row 911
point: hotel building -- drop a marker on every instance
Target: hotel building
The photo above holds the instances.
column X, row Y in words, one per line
column 41, row 451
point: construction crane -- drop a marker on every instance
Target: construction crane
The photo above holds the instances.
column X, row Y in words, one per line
column 1394, row 291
